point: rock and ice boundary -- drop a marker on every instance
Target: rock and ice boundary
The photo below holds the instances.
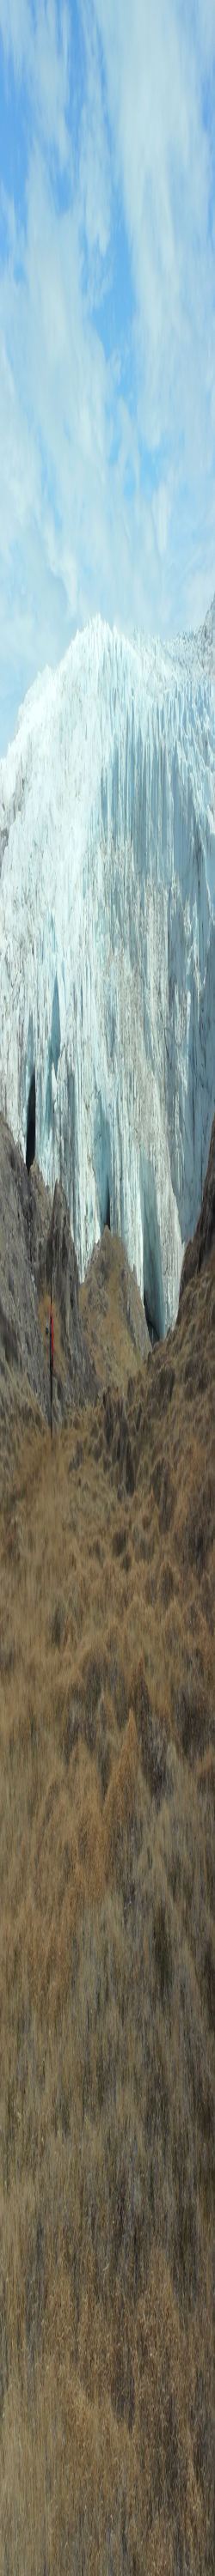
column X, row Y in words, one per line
column 107, row 941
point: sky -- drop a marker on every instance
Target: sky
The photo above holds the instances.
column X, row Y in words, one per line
column 107, row 324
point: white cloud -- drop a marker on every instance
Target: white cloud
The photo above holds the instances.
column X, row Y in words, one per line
column 161, row 506
column 94, row 162
column 154, row 72
column 39, row 42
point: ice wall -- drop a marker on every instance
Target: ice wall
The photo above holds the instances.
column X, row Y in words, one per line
column 107, row 940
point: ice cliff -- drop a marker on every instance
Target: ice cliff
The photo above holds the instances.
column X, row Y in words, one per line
column 107, row 940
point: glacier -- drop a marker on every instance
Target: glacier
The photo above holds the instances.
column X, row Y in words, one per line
column 107, row 941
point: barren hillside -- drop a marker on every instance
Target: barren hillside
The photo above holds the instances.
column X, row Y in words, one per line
column 107, row 1954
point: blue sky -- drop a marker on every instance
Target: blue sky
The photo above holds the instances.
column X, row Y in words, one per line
column 107, row 323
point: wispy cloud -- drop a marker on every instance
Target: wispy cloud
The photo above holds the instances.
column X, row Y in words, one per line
column 107, row 323
column 38, row 40
column 155, row 64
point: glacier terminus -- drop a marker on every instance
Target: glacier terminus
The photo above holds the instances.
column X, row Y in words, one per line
column 107, row 941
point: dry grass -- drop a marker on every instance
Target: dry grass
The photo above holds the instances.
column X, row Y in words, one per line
column 107, row 1977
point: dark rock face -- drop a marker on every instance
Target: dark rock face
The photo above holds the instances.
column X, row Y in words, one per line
column 23, row 1230
column 198, row 1251
column 61, row 1264
column 35, row 1242
column 61, row 1269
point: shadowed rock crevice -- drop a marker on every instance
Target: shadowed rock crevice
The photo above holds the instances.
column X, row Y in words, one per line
column 107, row 1218
column 31, row 1125
column 154, row 1336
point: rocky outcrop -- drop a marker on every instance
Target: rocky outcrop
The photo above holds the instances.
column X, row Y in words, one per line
column 61, row 1270
column 198, row 1251
column 37, row 1252
column 35, row 1243
column 23, row 1228
column 113, row 1317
